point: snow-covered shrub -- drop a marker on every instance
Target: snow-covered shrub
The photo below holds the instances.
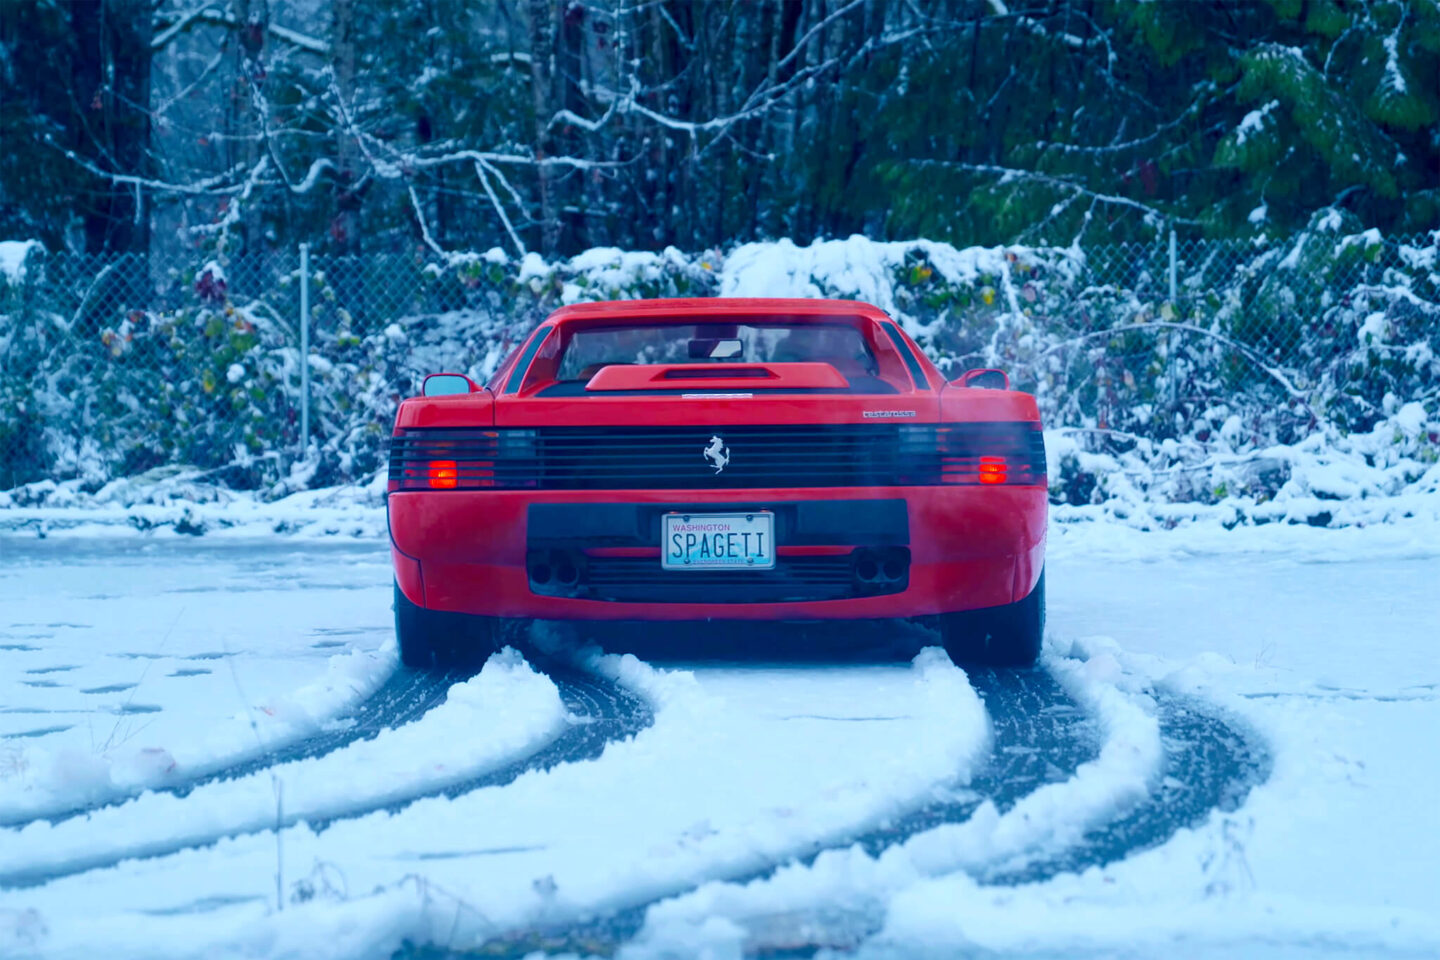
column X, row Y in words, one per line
column 1319, row 340
column 357, row 381
column 1333, row 335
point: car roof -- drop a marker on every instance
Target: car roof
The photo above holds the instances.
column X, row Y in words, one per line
column 685, row 310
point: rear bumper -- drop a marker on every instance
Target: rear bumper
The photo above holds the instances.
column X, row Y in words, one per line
column 967, row 547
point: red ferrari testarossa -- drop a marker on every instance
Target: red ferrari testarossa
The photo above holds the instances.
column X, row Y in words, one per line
column 718, row 459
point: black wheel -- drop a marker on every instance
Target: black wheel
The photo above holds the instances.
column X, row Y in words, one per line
column 436, row 639
column 998, row 636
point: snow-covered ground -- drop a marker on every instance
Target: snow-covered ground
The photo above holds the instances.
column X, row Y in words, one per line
column 129, row 665
column 1318, row 650
column 1333, row 662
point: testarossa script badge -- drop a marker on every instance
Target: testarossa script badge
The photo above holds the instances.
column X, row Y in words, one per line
column 886, row 414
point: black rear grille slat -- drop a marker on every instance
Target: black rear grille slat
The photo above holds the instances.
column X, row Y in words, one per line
column 810, row 455
column 642, row 579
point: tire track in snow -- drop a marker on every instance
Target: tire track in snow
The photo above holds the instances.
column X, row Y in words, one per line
column 1209, row 765
column 406, row 696
column 604, row 712
column 1041, row 736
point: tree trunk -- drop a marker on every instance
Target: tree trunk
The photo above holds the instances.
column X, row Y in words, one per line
column 87, row 77
column 113, row 38
column 247, row 72
column 666, row 186
column 345, row 225
column 129, row 39
column 542, row 90
column 570, row 194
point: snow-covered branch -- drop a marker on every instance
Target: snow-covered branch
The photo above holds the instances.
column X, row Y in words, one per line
column 1011, row 174
column 512, row 159
column 821, row 25
column 482, row 170
column 1249, row 353
column 425, row 226
column 312, row 176
column 169, row 29
column 220, row 185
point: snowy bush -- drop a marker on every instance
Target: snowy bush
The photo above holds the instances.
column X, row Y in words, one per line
column 1324, row 338
column 1330, row 338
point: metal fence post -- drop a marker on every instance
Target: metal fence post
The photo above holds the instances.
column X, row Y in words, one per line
column 304, row 350
column 1173, row 266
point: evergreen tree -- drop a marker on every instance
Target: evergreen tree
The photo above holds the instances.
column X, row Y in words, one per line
column 556, row 125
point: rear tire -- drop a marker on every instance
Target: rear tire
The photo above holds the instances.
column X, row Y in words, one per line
column 1006, row 636
column 438, row 639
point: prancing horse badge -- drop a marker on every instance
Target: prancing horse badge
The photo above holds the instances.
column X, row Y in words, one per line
column 717, row 454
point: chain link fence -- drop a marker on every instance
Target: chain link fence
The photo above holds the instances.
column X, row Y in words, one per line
column 117, row 367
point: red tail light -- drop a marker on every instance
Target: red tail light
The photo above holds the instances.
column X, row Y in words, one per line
column 991, row 453
column 445, row 459
column 443, row 475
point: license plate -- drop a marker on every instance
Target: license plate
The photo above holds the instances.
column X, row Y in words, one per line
column 718, row 541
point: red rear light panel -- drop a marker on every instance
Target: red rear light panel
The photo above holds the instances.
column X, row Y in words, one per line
column 443, row 460
column 768, row 457
column 1002, row 452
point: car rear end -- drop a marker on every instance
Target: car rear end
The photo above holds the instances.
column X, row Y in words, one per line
column 718, row 486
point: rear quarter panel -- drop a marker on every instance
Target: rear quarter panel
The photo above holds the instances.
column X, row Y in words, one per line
column 968, row 404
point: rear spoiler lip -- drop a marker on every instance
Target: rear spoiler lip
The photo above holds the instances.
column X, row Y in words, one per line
column 692, row 376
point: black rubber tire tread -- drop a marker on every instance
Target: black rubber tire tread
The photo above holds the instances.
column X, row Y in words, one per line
column 1007, row 636
column 440, row 640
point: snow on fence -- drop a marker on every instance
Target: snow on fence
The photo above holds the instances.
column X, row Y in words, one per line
column 1149, row 365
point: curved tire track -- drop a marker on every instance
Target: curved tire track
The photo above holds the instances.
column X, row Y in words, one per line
column 1041, row 736
column 1210, row 765
column 604, row 712
column 407, row 695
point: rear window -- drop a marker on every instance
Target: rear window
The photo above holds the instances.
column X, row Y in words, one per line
column 585, row 351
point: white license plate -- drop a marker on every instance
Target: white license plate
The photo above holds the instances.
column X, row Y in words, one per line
column 718, row 541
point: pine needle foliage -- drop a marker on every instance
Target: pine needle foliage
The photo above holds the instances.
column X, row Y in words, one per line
column 247, row 126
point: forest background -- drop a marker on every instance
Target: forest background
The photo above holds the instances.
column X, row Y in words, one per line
column 558, row 125
column 161, row 160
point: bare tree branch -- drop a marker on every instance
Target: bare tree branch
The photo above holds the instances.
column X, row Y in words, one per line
column 425, row 226
column 1009, row 174
column 208, row 187
column 800, row 43
column 480, row 171
column 211, row 16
